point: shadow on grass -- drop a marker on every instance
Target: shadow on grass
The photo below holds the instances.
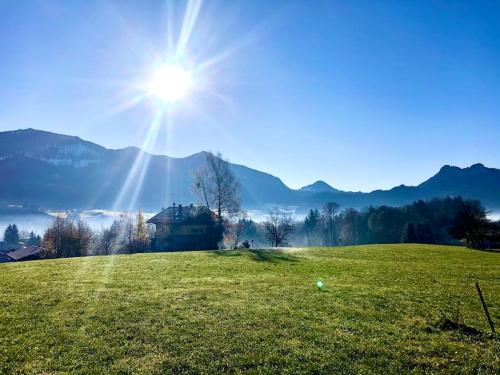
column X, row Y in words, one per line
column 228, row 253
column 273, row 256
column 446, row 324
column 260, row 255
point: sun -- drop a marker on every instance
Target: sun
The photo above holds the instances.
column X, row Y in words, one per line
column 170, row 83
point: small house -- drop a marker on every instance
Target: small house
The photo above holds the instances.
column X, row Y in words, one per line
column 185, row 228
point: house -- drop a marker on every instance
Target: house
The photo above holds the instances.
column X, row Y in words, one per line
column 5, row 247
column 185, row 228
column 26, row 253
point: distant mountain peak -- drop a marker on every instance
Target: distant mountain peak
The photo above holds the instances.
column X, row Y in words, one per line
column 53, row 148
column 448, row 167
column 456, row 180
column 477, row 166
column 200, row 154
column 33, row 131
column 319, row 187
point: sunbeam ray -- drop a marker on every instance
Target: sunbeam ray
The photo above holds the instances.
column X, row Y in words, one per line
column 251, row 37
column 109, row 265
column 144, row 168
column 139, row 167
column 190, row 15
column 118, row 108
column 168, row 160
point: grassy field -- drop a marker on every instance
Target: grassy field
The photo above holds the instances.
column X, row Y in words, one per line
column 253, row 311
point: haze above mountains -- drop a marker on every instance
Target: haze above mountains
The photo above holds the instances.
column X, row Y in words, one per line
column 57, row 171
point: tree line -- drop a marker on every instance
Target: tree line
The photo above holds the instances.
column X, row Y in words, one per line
column 450, row 220
column 14, row 238
column 438, row 221
column 73, row 237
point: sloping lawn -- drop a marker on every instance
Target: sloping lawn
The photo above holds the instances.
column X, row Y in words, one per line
column 252, row 311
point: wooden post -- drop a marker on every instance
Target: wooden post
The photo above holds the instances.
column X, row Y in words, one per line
column 485, row 308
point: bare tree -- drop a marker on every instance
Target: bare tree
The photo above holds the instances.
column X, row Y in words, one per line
column 53, row 237
column 330, row 209
column 84, row 236
column 200, row 186
column 278, row 226
column 128, row 232
column 68, row 238
column 237, row 229
column 109, row 237
column 217, row 186
column 141, row 233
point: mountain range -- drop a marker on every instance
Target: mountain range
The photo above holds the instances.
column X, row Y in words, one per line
column 63, row 172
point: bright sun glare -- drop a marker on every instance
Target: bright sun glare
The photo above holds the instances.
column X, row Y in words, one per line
column 170, row 83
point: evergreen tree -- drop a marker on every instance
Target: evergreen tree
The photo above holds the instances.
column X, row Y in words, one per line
column 425, row 233
column 34, row 240
column 471, row 224
column 311, row 225
column 410, row 234
column 11, row 235
column 330, row 209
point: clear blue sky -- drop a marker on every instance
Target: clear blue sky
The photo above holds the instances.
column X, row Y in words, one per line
column 361, row 94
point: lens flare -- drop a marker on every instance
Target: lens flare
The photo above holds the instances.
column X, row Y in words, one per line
column 320, row 285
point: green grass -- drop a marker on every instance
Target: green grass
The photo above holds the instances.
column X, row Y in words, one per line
column 257, row 312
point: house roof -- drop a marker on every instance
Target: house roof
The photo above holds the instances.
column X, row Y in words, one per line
column 176, row 214
column 25, row 252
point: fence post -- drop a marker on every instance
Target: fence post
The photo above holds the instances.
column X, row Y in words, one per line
column 485, row 308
